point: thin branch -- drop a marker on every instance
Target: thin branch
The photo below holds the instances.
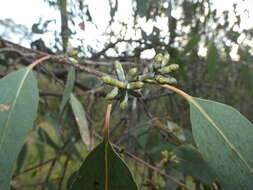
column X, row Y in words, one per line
column 35, row 54
column 35, row 167
column 94, row 92
column 64, row 23
column 36, row 62
column 65, row 166
column 48, row 174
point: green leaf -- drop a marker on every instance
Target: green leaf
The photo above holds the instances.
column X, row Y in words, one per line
column 142, row 135
column 212, row 61
column 54, row 121
column 151, row 141
column 92, row 173
column 21, row 158
column 18, row 108
column 192, row 163
column 81, row 119
column 119, row 71
column 192, row 43
column 172, row 25
column 71, row 179
column 40, row 148
column 224, row 138
column 44, row 136
column 247, row 76
column 142, row 7
column 68, row 88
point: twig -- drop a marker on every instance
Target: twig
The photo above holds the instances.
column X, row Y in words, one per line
column 150, row 116
column 36, row 62
column 106, row 141
column 64, row 172
column 34, row 53
column 48, row 174
column 35, row 167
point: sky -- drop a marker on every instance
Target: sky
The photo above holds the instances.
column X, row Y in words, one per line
column 28, row 12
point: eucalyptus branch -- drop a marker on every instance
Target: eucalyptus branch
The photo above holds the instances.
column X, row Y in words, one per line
column 106, row 140
column 48, row 174
column 65, row 166
column 35, row 166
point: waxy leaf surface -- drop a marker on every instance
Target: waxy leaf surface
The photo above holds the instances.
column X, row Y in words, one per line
column 81, row 119
column 225, row 139
column 91, row 175
column 68, row 88
column 19, row 102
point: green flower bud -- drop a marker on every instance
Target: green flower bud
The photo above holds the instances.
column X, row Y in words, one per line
column 158, row 61
column 124, row 103
column 165, row 153
column 113, row 82
column 72, row 60
column 165, row 156
column 158, row 58
column 133, row 71
column 111, row 95
column 174, row 67
column 146, row 76
column 168, row 69
column 173, row 157
column 119, row 71
column 165, row 60
column 167, row 56
column 135, row 85
column 165, row 80
column 72, row 53
column 132, row 74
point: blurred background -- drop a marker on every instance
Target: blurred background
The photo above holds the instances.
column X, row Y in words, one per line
column 210, row 40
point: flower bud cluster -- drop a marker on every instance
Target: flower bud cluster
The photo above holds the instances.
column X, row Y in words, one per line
column 162, row 69
column 133, row 82
column 169, row 157
column 123, row 85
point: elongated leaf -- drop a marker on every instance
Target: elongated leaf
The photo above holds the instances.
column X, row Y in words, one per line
column 191, row 162
column 71, row 179
column 142, row 7
column 40, row 148
column 192, row 43
column 213, row 61
column 68, row 88
column 44, row 137
column 247, row 76
column 92, row 173
column 21, row 158
column 81, row 120
column 18, row 107
column 54, row 123
column 225, row 139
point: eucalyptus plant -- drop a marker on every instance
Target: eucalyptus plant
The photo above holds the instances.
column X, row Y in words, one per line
column 222, row 135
